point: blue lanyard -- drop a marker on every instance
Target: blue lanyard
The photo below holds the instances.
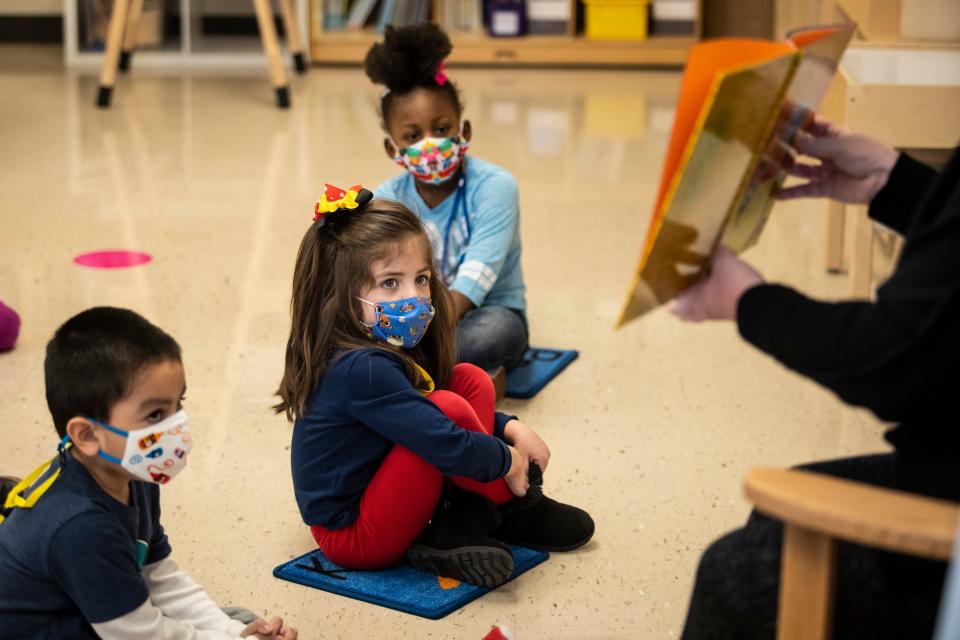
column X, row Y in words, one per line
column 459, row 204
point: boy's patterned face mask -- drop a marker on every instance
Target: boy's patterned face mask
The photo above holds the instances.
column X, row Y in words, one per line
column 401, row 323
column 156, row 453
column 433, row 160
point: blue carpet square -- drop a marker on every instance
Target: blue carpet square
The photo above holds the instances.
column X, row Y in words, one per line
column 539, row 367
column 402, row 588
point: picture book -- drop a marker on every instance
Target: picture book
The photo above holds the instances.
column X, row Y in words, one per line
column 741, row 102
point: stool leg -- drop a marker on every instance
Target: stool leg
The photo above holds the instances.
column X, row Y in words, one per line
column 835, row 221
column 808, row 570
column 108, row 68
column 271, row 47
column 293, row 35
column 130, row 37
column 861, row 255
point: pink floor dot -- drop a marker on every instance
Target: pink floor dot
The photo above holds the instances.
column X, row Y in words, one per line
column 112, row 259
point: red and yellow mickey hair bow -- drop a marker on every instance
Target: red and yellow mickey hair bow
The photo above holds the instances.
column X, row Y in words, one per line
column 336, row 199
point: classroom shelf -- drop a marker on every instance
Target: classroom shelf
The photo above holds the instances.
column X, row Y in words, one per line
column 190, row 50
column 350, row 47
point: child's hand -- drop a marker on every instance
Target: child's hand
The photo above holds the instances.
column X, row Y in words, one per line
column 263, row 630
column 517, row 478
column 528, row 442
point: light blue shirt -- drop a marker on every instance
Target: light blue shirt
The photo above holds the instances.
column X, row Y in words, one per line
column 475, row 233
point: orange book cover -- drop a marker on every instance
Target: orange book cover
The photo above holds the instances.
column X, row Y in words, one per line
column 740, row 103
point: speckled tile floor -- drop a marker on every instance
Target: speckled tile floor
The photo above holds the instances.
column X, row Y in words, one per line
column 651, row 429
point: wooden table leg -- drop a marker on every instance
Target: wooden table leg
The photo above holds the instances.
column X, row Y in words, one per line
column 861, row 255
column 807, row 581
column 271, row 47
column 835, row 221
column 130, row 36
column 108, row 68
column 294, row 42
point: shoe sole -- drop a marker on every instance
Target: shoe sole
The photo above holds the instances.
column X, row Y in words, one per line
column 481, row 566
column 541, row 547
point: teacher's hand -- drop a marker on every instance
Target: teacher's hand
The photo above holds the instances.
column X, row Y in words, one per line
column 716, row 296
column 853, row 167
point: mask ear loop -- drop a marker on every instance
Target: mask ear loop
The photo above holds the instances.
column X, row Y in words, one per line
column 65, row 442
column 368, row 327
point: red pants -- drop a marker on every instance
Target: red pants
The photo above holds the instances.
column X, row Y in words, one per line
column 402, row 496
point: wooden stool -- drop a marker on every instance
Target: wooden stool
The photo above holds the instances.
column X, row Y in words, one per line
column 817, row 511
column 122, row 40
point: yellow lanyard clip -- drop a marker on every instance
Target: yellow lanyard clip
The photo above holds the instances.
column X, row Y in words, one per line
column 17, row 501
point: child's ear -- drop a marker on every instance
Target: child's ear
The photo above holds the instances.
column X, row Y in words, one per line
column 467, row 130
column 83, row 436
column 390, row 148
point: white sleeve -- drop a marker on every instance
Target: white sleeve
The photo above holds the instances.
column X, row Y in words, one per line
column 147, row 622
column 177, row 595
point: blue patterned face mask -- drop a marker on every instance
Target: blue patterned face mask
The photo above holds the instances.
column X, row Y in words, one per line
column 401, row 323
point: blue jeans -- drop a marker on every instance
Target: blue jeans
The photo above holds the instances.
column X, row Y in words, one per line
column 492, row 336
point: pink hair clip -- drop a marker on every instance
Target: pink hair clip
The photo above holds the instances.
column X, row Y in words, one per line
column 441, row 77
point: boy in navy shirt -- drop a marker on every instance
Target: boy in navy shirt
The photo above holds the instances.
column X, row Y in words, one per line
column 82, row 551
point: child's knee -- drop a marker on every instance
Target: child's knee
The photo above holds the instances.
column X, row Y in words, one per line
column 466, row 372
column 454, row 406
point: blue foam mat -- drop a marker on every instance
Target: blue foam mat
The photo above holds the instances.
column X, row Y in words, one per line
column 539, row 367
column 402, row 588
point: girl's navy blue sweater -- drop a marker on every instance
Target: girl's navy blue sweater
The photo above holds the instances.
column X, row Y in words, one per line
column 363, row 406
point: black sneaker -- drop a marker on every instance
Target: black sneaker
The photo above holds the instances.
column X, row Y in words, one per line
column 539, row 522
column 456, row 544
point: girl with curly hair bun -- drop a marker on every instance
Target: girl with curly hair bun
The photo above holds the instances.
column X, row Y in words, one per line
column 470, row 207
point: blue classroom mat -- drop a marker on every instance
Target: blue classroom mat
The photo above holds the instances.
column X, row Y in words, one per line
column 402, row 588
column 539, row 367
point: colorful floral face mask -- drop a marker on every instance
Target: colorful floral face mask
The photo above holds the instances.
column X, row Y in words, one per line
column 401, row 323
column 433, row 160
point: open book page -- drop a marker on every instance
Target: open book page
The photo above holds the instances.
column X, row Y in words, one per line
column 821, row 50
column 732, row 127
